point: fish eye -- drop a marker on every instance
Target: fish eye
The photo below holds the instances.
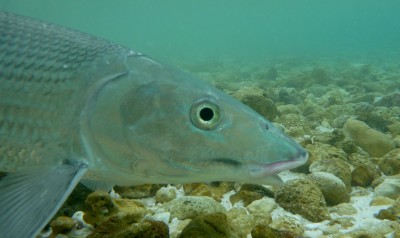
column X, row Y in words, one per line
column 205, row 114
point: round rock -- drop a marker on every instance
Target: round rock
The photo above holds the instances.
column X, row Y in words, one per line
column 333, row 188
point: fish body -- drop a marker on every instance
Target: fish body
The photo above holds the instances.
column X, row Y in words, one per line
column 73, row 106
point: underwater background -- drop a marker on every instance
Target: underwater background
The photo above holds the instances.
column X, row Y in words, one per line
column 325, row 72
column 252, row 30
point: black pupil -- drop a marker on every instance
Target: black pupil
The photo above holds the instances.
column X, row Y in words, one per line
column 206, row 114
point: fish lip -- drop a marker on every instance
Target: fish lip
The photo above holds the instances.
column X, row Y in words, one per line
column 261, row 170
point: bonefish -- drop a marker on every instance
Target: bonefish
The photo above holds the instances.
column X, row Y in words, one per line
column 76, row 107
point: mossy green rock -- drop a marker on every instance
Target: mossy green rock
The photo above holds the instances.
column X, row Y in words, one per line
column 303, row 197
column 374, row 142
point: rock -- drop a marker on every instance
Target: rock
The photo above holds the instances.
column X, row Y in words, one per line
column 148, row 229
column 261, row 210
column 375, row 229
column 165, row 194
column 379, row 201
column 343, row 209
column 386, row 214
column 320, row 151
column 262, row 190
column 61, row 225
column 249, row 193
column 288, row 96
column 213, row 190
column 364, row 171
column 333, row 189
column 286, row 223
column 192, row 206
column 303, row 197
column 394, row 128
column 75, row 201
column 390, row 162
column 389, row 188
column 179, row 226
column 335, row 166
column 344, row 222
column 372, row 141
column 255, row 98
column 288, row 109
column 363, row 176
column 265, row 205
column 123, row 227
column 240, row 221
column 295, row 124
column 208, row 225
column 102, row 207
column 137, row 192
column 264, row 231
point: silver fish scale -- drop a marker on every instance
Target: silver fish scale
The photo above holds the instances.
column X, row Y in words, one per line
column 45, row 71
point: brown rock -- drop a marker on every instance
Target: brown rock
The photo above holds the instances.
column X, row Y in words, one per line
column 365, row 171
column 102, row 207
column 255, row 98
column 214, row 190
column 62, row 224
column 137, row 192
column 303, row 197
column 246, row 196
column 263, row 231
column 209, row 225
column 126, row 227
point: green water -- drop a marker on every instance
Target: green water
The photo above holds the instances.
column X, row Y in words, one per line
column 254, row 30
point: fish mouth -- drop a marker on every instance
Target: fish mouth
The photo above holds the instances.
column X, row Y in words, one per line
column 262, row 170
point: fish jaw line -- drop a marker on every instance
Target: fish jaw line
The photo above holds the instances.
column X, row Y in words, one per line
column 261, row 170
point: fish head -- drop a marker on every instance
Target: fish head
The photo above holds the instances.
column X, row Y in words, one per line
column 166, row 126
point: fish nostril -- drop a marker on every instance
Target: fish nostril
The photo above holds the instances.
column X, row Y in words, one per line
column 266, row 126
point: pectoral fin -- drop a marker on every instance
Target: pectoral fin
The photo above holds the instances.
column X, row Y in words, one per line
column 29, row 199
